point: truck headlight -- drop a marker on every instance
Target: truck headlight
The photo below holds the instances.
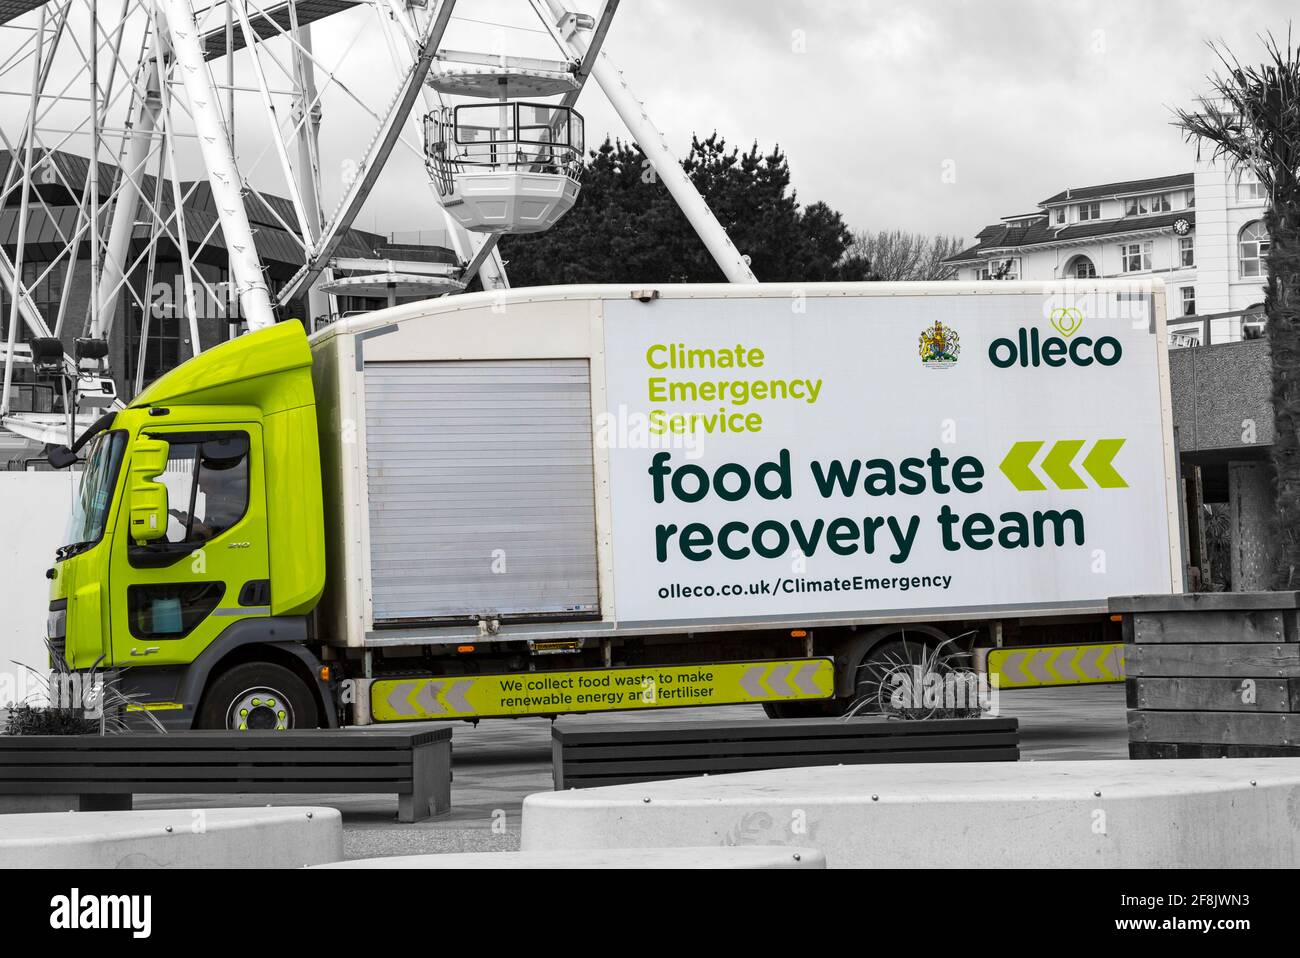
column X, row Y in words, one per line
column 56, row 624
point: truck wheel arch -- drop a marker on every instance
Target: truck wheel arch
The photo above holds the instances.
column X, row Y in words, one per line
column 279, row 640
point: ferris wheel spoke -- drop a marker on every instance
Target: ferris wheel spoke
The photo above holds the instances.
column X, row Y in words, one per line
column 376, row 155
column 286, row 167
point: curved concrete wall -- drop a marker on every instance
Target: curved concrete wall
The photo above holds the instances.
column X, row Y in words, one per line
column 1211, row 813
column 758, row 856
column 174, row 838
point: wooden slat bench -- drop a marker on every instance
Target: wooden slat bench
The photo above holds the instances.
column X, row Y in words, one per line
column 586, row 754
column 106, row 771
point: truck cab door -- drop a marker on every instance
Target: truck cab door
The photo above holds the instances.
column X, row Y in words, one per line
column 171, row 597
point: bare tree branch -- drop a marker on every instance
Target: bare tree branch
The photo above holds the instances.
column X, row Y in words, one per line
column 896, row 255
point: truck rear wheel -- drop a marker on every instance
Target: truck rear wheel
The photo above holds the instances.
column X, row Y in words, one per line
column 258, row 695
column 873, row 685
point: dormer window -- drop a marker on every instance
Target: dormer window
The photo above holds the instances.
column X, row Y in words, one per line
column 1089, row 211
column 1146, row 205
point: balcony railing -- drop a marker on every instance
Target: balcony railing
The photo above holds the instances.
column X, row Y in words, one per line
column 1212, row 329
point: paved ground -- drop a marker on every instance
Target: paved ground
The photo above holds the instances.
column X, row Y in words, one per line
column 499, row 762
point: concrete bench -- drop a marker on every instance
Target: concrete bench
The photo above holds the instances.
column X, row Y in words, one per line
column 104, row 772
column 586, row 755
column 173, row 838
column 751, row 857
column 1216, row 813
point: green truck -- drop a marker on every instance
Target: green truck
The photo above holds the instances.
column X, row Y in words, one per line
column 580, row 499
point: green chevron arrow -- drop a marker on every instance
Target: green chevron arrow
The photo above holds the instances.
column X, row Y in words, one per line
column 1056, row 464
column 1016, row 466
column 1098, row 464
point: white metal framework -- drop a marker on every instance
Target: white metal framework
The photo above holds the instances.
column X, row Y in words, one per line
column 201, row 167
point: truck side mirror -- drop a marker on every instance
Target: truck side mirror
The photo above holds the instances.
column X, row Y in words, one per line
column 148, row 496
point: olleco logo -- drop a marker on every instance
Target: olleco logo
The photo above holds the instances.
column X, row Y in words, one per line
column 1029, row 348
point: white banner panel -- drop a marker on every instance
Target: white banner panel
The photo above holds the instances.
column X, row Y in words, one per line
column 794, row 457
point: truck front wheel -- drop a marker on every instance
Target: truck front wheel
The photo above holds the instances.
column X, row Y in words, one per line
column 258, row 695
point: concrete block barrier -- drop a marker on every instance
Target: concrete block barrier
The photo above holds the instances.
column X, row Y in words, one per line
column 749, row 857
column 1197, row 813
column 173, row 838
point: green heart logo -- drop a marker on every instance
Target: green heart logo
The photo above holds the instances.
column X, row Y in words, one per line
column 1066, row 320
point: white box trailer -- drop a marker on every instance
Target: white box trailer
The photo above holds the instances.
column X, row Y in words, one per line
column 597, row 468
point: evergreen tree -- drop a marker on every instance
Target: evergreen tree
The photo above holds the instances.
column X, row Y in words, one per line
column 1252, row 120
column 626, row 227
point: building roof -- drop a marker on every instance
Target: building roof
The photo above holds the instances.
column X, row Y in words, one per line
column 265, row 21
column 277, row 247
column 13, row 9
column 1123, row 188
column 1002, row 237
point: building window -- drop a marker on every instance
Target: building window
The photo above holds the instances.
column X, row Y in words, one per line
column 1060, row 214
column 1191, row 199
column 1089, row 211
column 1249, row 188
column 162, row 352
column 1001, row 269
column 1186, row 251
column 1136, row 257
column 1252, row 249
column 1143, row 205
column 1189, row 300
column 1080, row 268
column 45, row 286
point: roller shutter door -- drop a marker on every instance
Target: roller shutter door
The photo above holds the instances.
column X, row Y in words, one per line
column 482, row 496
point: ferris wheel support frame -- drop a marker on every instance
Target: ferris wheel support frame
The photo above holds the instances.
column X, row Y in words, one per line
column 222, row 170
column 23, row 210
column 634, row 116
column 377, row 154
column 176, row 54
column 117, row 248
column 307, row 118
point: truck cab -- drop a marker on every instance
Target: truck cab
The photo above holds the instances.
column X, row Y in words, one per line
column 172, row 544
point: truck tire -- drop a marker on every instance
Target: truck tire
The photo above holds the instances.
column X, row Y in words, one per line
column 871, row 679
column 258, row 695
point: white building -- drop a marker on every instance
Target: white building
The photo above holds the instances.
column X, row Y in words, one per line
column 1201, row 232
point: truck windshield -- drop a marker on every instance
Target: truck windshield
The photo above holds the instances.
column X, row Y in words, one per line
column 95, row 494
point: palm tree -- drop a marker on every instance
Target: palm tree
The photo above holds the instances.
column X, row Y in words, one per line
column 1251, row 119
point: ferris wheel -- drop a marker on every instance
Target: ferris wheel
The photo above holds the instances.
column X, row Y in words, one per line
column 229, row 148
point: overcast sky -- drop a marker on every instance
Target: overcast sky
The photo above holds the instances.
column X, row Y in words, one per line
column 873, row 101
column 1024, row 97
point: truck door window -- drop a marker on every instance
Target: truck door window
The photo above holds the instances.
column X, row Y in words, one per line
column 170, row 610
column 207, row 485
